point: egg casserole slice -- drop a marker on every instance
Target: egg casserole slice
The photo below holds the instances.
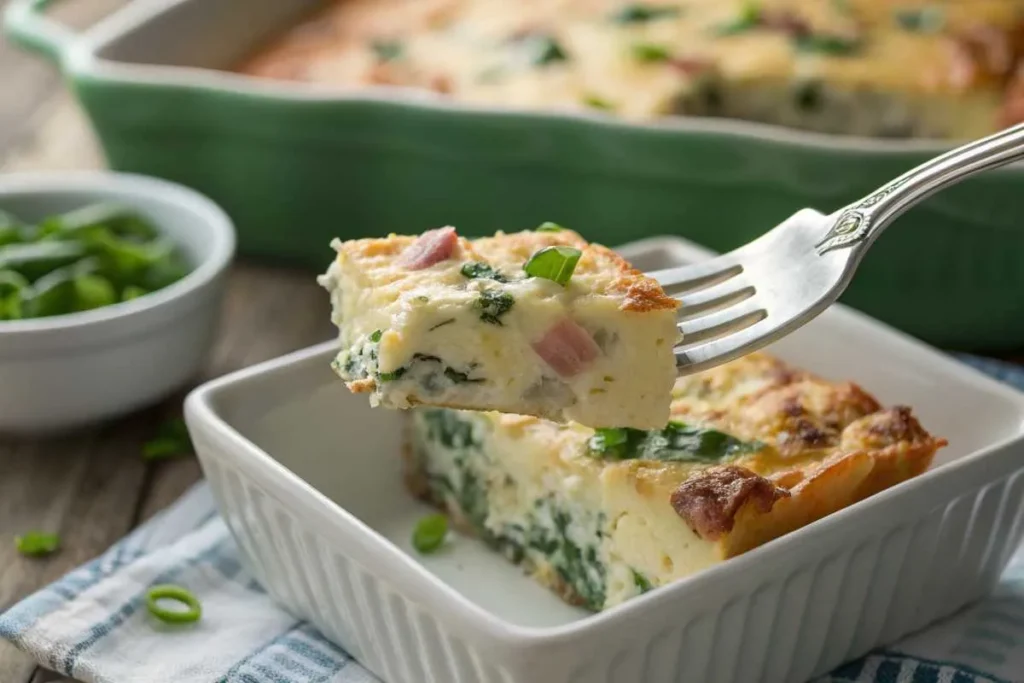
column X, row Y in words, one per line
column 754, row 449
column 536, row 323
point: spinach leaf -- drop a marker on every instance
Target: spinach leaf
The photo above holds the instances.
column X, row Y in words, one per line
column 493, row 304
column 677, row 442
column 475, row 270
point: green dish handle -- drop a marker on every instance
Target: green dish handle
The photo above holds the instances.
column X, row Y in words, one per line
column 26, row 25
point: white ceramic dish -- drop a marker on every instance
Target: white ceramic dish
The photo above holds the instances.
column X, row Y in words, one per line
column 307, row 477
column 70, row 370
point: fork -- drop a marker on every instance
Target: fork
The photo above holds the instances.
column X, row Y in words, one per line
column 744, row 300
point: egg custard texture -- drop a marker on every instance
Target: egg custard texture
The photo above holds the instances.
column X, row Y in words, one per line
column 755, row 449
column 880, row 68
column 534, row 323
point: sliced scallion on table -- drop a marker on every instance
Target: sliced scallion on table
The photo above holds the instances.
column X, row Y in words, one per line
column 37, row 543
column 171, row 441
column 430, row 532
column 191, row 610
column 554, row 263
column 548, row 226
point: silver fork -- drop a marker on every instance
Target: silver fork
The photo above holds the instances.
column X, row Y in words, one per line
column 741, row 301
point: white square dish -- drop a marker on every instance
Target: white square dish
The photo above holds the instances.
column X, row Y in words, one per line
column 308, row 478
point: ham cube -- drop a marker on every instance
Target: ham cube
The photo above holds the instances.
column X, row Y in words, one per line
column 567, row 348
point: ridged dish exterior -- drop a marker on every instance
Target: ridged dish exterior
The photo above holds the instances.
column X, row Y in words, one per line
column 830, row 592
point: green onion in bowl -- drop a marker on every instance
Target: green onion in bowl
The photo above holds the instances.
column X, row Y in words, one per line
column 94, row 256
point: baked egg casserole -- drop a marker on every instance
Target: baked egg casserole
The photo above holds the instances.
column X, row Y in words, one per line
column 533, row 323
column 754, row 449
column 914, row 68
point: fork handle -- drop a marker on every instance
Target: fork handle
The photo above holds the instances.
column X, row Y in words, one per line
column 863, row 221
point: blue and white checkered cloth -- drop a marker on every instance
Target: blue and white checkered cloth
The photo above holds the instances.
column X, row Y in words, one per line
column 93, row 624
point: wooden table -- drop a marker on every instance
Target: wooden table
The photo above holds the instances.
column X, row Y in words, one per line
column 93, row 487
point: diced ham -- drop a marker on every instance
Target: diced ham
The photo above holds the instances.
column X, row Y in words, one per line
column 431, row 247
column 567, row 348
column 691, row 66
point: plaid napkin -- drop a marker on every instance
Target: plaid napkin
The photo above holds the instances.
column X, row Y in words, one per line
column 93, row 624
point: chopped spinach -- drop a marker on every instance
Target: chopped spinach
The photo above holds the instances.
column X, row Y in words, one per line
column 677, row 442
column 493, row 304
column 476, row 270
column 446, row 428
column 375, row 337
column 387, row 50
column 808, row 96
column 650, row 52
column 641, row 582
column 543, row 49
column 639, row 12
column 826, row 44
column 449, row 321
column 461, row 377
column 922, row 20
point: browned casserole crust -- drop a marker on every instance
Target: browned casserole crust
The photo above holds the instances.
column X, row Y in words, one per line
column 770, row 449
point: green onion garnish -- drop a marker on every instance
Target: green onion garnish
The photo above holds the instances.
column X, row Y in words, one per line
column 544, row 49
column 386, row 50
column 553, row 263
column 596, row 102
column 548, row 226
column 375, row 337
column 171, row 440
column 748, row 18
column 641, row 582
column 429, row 533
column 193, row 610
column 638, row 13
column 648, row 52
column 36, row 543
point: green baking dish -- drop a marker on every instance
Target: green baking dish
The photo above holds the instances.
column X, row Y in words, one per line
column 295, row 166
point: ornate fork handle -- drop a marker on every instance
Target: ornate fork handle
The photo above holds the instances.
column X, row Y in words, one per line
column 860, row 223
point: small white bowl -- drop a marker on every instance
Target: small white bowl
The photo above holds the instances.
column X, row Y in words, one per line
column 67, row 371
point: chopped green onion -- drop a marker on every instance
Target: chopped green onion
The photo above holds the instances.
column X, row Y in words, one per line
column 93, row 291
column 192, row 612
column 637, row 13
column 649, row 52
column 476, row 270
column 596, row 102
column 641, row 582
column 548, row 226
column 171, row 440
column 36, row 543
column 554, row 263
column 826, row 44
column 748, row 19
column 386, row 50
column 133, row 292
column 375, row 337
column 429, row 533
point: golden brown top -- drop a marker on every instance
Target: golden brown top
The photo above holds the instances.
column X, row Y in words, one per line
column 638, row 58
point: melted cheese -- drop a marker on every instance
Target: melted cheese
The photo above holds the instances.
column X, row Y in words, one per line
column 437, row 346
column 913, row 68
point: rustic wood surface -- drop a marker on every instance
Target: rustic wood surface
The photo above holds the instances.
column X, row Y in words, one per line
column 93, row 487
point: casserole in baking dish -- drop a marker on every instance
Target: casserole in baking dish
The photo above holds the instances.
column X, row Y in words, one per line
column 296, row 164
column 875, row 68
column 309, row 479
